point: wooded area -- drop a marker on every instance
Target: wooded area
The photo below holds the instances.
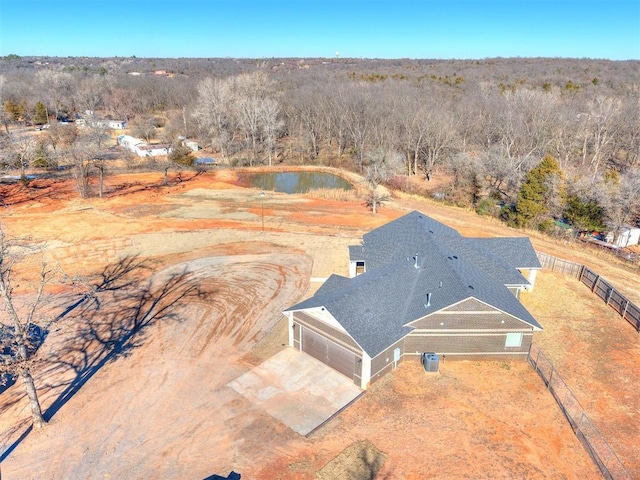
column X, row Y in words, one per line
column 483, row 125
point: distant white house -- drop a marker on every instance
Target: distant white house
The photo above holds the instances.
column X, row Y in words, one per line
column 113, row 124
column 627, row 237
column 93, row 121
column 141, row 148
column 192, row 145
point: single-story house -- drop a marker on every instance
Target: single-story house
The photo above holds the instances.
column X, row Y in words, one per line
column 157, row 150
column 191, row 145
column 141, row 148
column 418, row 286
column 129, row 142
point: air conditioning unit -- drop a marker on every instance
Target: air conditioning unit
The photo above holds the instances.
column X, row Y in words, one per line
column 430, row 362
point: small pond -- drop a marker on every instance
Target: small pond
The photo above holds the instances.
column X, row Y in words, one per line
column 293, row 182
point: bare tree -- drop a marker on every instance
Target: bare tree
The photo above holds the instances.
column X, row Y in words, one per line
column 22, row 342
column 61, row 135
column 95, row 137
column 24, row 150
column 146, row 128
column 521, row 124
column 271, row 125
column 213, row 113
column 4, row 117
column 382, row 165
column 358, row 122
column 628, row 139
column 90, row 94
column 83, row 153
column 306, row 120
column 601, row 123
column 413, row 130
column 336, row 119
column 250, row 93
column 440, row 136
column 56, row 89
column 120, row 103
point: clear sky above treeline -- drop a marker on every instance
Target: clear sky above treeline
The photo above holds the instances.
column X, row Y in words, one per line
column 313, row 28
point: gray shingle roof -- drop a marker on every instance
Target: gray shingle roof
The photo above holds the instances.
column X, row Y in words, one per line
column 355, row 253
column 516, row 251
column 375, row 307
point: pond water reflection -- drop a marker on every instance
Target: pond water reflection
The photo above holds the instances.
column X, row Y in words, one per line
column 293, row 182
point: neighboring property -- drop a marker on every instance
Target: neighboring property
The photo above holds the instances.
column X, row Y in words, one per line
column 141, row 148
column 418, row 286
column 205, row 162
column 113, row 124
column 191, row 145
column 627, row 237
column 92, row 120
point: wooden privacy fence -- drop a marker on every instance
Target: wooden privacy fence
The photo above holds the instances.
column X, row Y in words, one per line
column 598, row 285
column 594, row 443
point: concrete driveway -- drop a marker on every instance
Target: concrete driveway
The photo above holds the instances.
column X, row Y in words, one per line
column 296, row 389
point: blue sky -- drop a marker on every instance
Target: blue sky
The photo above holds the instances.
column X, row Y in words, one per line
column 313, row 28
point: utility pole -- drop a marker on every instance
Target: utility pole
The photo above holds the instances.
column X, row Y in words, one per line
column 262, row 209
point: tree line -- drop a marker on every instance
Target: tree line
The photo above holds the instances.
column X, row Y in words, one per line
column 484, row 125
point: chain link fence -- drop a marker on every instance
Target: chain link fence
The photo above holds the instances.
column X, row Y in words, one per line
column 594, row 443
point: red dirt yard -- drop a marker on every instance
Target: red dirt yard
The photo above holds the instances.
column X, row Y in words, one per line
column 161, row 407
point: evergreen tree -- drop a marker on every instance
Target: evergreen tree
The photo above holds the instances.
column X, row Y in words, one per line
column 14, row 110
column 40, row 114
column 585, row 213
column 541, row 195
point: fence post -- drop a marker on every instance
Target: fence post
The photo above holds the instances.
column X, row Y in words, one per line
column 595, row 282
column 581, row 273
column 626, row 305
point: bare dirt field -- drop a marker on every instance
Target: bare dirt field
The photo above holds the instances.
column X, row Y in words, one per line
column 189, row 287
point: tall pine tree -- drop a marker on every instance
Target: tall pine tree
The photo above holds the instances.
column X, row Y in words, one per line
column 40, row 114
column 541, row 195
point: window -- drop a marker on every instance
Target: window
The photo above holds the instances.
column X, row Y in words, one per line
column 514, row 340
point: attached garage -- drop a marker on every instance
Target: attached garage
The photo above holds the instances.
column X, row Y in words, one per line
column 328, row 352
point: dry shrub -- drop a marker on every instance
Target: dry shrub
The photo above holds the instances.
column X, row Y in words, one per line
column 334, row 194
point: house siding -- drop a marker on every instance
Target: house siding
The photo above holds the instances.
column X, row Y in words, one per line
column 470, row 314
column 383, row 362
column 466, row 345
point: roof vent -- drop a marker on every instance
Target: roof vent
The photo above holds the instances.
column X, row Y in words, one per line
column 415, row 261
column 428, row 304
